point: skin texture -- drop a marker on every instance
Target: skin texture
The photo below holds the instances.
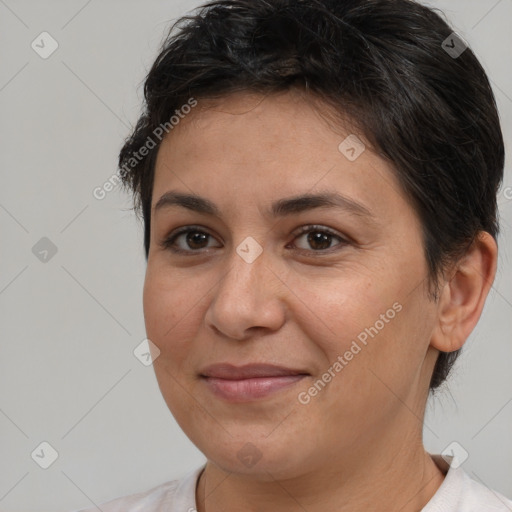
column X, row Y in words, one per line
column 357, row 444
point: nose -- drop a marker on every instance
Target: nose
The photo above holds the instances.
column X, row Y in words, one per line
column 248, row 298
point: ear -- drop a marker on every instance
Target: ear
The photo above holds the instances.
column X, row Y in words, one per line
column 463, row 296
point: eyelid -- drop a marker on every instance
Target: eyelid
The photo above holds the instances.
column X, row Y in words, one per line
column 167, row 242
column 318, row 227
column 343, row 240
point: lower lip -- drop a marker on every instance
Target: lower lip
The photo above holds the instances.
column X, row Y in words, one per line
column 245, row 390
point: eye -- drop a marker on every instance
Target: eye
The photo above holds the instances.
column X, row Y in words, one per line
column 319, row 238
column 195, row 240
column 192, row 238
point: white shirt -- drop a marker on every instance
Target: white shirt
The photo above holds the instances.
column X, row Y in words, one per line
column 458, row 493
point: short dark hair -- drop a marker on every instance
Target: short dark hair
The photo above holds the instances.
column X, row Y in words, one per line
column 383, row 64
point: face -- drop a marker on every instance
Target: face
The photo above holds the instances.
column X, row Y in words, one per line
column 334, row 291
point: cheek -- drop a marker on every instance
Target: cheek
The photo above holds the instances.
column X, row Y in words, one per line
column 365, row 318
column 335, row 309
column 170, row 306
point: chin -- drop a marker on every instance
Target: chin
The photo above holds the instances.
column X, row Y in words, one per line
column 267, row 459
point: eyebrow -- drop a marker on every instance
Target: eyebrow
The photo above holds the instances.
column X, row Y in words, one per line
column 280, row 208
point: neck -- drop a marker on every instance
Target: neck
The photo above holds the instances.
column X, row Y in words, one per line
column 405, row 481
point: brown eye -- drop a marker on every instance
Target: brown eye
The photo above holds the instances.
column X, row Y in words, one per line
column 319, row 239
column 187, row 240
column 195, row 239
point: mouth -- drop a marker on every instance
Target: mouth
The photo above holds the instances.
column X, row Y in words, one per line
column 249, row 382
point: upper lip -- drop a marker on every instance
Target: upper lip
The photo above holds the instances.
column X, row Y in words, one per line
column 231, row 372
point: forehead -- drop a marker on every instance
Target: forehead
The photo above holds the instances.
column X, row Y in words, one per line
column 254, row 146
column 287, row 119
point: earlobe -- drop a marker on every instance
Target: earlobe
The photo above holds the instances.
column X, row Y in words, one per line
column 463, row 295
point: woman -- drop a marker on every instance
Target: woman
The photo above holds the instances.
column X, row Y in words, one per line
column 318, row 185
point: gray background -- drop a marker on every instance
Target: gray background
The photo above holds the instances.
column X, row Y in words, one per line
column 69, row 325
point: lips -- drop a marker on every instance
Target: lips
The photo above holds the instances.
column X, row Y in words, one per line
column 250, row 382
column 249, row 371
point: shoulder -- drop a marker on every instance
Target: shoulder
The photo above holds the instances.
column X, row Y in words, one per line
column 173, row 496
column 479, row 497
column 459, row 492
column 149, row 500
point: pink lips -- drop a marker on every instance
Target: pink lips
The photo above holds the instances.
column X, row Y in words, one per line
column 249, row 382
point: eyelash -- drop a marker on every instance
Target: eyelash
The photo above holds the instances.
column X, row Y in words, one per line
column 168, row 243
